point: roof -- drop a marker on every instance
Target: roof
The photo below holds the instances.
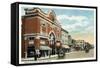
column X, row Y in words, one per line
column 64, row 30
column 38, row 11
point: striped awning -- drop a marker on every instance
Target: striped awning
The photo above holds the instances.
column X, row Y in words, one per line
column 45, row 48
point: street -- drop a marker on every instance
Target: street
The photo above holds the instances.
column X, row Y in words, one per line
column 70, row 55
column 76, row 54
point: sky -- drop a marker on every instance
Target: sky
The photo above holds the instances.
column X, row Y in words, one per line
column 78, row 22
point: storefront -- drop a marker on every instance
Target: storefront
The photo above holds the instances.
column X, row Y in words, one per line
column 45, row 50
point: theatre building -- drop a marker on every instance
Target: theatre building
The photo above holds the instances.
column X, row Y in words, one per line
column 40, row 33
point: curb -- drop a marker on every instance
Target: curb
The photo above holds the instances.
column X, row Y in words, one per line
column 31, row 59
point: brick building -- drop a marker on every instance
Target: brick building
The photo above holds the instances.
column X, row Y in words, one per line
column 40, row 31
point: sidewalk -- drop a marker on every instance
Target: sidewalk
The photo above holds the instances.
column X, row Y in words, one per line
column 48, row 57
column 41, row 58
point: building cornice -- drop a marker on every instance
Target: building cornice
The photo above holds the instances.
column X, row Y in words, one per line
column 42, row 16
column 64, row 30
column 39, row 12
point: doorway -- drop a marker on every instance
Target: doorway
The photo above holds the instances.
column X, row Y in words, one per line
column 52, row 42
column 30, row 51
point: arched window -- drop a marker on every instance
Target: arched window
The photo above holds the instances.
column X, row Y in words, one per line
column 52, row 39
column 43, row 27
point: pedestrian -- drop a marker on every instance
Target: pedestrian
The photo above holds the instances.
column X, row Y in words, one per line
column 35, row 57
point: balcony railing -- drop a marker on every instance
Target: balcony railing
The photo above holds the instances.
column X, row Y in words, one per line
column 44, row 34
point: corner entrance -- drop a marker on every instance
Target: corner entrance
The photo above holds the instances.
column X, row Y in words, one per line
column 30, row 51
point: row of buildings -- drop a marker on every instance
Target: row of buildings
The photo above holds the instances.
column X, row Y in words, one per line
column 69, row 43
column 42, row 32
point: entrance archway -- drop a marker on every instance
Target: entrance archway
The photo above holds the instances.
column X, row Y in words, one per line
column 52, row 42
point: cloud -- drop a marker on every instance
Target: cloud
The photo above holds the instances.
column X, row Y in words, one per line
column 72, row 22
column 76, row 18
column 76, row 24
column 89, row 29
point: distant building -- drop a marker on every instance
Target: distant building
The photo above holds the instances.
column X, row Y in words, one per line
column 80, row 43
column 39, row 31
column 70, row 41
column 73, row 42
column 64, row 36
column 64, row 40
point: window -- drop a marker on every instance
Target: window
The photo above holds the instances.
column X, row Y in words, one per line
column 43, row 24
column 31, row 38
column 43, row 27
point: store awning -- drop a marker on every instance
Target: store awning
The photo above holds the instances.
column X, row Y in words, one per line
column 65, row 46
column 45, row 48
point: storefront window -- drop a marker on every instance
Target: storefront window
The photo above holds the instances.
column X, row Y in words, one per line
column 31, row 40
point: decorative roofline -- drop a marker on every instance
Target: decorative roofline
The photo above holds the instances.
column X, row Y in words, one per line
column 64, row 30
column 38, row 11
